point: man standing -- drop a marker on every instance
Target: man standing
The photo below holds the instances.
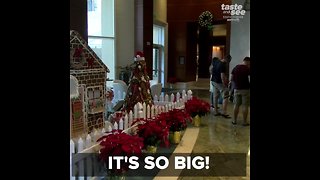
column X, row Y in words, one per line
column 219, row 79
column 240, row 76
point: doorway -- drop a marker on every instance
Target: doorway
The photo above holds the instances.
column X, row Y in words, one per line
column 211, row 43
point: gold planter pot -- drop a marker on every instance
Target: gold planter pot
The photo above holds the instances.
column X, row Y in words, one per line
column 151, row 149
column 196, row 121
column 117, row 177
column 175, row 137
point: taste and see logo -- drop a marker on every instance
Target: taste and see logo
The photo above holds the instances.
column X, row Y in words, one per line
column 233, row 9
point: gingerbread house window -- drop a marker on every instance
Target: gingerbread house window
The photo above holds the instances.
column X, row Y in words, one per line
column 95, row 99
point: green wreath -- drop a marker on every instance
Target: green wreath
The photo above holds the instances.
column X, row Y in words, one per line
column 205, row 19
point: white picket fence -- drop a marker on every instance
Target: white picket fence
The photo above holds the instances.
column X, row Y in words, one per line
column 88, row 144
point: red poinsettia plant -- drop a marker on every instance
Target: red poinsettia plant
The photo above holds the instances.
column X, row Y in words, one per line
column 177, row 119
column 154, row 131
column 118, row 143
column 196, row 106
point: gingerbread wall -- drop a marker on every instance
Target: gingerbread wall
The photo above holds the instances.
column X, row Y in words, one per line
column 95, row 121
column 92, row 79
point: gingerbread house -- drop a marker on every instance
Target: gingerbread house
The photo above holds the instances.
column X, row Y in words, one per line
column 89, row 107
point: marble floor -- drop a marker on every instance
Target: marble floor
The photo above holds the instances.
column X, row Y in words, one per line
column 217, row 135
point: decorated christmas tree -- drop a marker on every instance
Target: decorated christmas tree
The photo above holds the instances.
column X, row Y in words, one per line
column 139, row 85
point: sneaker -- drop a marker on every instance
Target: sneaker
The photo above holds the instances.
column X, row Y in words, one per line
column 225, row 116
column 214, row 107
column 245, row 124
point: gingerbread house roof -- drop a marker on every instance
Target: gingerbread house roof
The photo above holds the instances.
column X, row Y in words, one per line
column 82, row 56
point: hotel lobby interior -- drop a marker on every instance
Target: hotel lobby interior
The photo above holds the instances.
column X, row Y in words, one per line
column 177, row 53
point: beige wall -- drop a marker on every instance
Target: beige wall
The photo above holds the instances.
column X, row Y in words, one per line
column 125, row 29
column 160, row 18
column 160, row 10
column 240, row 38
column 124, row 34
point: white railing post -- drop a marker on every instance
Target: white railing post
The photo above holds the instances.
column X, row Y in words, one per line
column 81, row 162
column 161, row 98
column 166, row 98
column 72, row 147
column 183, row 93
column 152, row 111
column 126, row 121
column 185, row 98
column 178, row 96
column 88, row 141
column 95, row 136
column 109, row 129
column 189, row 94
column 155, row 111
column 121, row 124
column 72, row 150
column 80, row 145
column 88, row 159
column 140, row 114
column 144, row 110
column 148, row 111
column 135, row 108
column 115, row 126
column 130, row 118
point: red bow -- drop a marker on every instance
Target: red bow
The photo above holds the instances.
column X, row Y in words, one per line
column 78, row 52
column 139, row 54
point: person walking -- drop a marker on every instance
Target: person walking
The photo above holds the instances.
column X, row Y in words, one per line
column 240, row 76
column 220, row 83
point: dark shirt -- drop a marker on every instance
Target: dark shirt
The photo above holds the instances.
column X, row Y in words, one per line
column 218, row 67
column 240, row 76
column 227, row 68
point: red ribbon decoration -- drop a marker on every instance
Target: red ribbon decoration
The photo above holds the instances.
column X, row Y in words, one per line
column 90, row 62
column 78, row 52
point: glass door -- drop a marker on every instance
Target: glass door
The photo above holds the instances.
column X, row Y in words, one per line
column 157, row 64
